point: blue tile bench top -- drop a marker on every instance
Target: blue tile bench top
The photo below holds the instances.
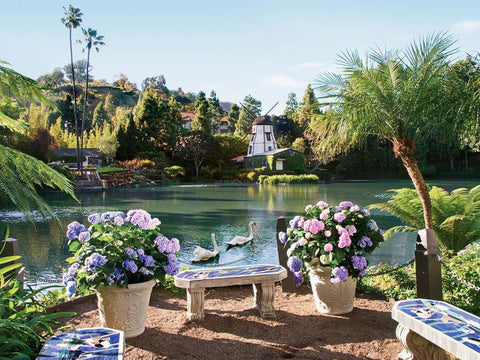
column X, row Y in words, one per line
column 96, row 343
column 455, row 330
column 238, row 275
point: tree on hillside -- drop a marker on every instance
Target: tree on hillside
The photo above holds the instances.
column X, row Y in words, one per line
column 91, row 40
column 291, row 106
column 72, row 20
column 251, row 108
column 391, row 94
column 124, row 84
column 155, row 82
column 201, row 122
column 128, row 141
column 53, row 79
column 148, row 114
column 232, row 117
column 100, row 116
column 215, row 112
column 20, row 174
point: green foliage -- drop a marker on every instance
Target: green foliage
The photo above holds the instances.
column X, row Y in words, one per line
column 467, row 266
column 25, row 323
column 456, row 215
column 323, row 174
column 289, row 179
column 202, row 122
column 251, row 175
column 250, row 110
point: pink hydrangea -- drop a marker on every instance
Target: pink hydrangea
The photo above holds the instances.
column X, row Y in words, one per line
column 313, row 226
column 322, row 204
column 328, row 247
column 344, row 239
column 324, row 215
column 351, row 229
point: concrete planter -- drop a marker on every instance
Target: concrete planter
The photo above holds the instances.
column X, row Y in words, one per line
column 334, row 299
column 125, row 309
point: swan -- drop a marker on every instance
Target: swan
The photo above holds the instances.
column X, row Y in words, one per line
column 201, row 254
column 240, row 240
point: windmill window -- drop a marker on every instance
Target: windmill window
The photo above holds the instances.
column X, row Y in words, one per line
column 269, row 136
column 250, row 150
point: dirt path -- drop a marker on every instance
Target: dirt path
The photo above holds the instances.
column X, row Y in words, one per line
column 232, row 330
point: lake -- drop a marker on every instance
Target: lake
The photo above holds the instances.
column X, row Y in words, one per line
column 192, row 212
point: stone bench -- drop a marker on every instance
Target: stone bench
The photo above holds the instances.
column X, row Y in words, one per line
column 428, row 329
column 263, row 278
column 96, row 343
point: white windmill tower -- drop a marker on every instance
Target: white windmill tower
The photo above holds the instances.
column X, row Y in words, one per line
column 263, row 137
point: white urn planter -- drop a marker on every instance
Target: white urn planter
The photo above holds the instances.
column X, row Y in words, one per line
column 125, row 308
column 334, row 299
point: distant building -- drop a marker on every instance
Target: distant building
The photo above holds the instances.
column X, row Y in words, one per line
column 263, row 150
column 187, row 118
column 69, row 156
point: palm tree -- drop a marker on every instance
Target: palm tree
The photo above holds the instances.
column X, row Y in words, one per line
column 91, row 40
column 72, row 20
column 20, row 174
column 395, row 95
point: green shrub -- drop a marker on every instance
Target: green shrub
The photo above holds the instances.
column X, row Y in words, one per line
column 174, row 171
column 290, row 179
column 323, row 174
column 250, row 175
column 467, row 266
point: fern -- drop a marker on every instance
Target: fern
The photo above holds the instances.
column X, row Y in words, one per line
column 455, row 215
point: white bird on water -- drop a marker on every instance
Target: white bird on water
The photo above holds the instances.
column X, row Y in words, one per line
column 201, row 254
column 240, row 240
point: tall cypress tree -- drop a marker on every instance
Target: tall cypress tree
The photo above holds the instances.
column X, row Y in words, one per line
column 201, row 122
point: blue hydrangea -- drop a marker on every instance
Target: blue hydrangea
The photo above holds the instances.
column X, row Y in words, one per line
column 131, row 253
column 94, row 218
column 74, row 229
column 172, row 267
column 294, row 222
column 95, row 260
column 365, row 241
column 130, row 265
column 297, row 278
column 84, row 236
column 70, row 288
column 147, row 260
column 359, row 262
column 282, row 236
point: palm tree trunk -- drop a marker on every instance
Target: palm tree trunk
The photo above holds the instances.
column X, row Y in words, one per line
column 405, row 150
column 75, row 116
column 85, row 106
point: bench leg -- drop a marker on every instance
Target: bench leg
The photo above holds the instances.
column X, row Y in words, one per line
column 195, row 302
column 263, row 298
column 415, row 347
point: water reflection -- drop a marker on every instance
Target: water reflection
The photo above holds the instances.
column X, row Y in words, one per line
column 192, row 213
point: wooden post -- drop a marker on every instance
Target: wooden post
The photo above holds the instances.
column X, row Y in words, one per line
column 288, row 284
column 428, row 267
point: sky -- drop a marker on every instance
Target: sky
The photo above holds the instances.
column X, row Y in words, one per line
column 263, row 48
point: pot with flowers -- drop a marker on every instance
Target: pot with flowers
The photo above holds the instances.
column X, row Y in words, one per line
column 120, row 257
column 329, row 244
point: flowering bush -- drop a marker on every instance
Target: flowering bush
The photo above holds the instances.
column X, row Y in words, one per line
column 118, row 249
column 336, row 236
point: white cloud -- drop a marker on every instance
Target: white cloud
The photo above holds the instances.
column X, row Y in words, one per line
column 469, row 25
column 282, row 81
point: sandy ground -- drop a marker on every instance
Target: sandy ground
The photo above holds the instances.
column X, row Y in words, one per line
column 233, row 330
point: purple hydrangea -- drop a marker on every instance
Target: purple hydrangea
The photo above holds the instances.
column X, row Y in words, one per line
column 359, row 262
column 297, row 278
column 294, row 264
column 84, row 236
column 294, row 222
column 355, row 208
column 365, row 212
column 322, row 204
column 351, row 229
column 346, row 204
column 174, row 245
column 110, row 216
column 282, row 236
column 161, row 242
column 147, row 260
column 94, row 218
column 364, row 242
column 95, row 260
column 142, row 219
column 372, row 225
column 130, row 265
column 118, row 220
column 172, row 267
column 339, row 274
column 339, row 217
column 140, row 252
